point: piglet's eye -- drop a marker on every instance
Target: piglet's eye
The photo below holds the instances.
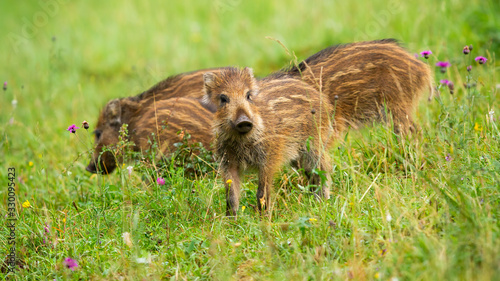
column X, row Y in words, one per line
column 249, row 95
column 224, row 99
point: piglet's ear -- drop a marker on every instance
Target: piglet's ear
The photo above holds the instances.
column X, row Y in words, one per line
column 114, row 113
column 208, row 85
column 249, row 71
column 208, row 79
column 253, row 82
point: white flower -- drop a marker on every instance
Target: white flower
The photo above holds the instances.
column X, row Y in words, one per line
column 127, row 239
column 491, row 113
column 141, row 260
column 14, row 103
column 388, row 217
column 130, row 168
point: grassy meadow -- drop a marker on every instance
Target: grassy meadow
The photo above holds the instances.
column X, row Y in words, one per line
column 423, row 207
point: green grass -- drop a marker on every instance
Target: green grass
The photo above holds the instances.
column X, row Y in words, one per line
column 399, row 209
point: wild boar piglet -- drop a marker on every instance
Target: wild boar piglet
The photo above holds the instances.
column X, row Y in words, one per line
column 369, row 81
column 264, row 125
column 164, row 118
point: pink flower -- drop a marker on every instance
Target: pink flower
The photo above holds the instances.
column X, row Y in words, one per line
column 444, row 82
column 72, row 128
column 481, row 60
column 443, row 64
column 5, row 86
column 426, row 54
column 469, row 68
column 71, row 263
column 160, row 181
column 466, row 50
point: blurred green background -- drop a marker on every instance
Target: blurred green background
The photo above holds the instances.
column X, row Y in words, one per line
column 63, row 60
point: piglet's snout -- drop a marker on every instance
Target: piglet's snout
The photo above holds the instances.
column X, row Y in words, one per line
column 91, row 168
column 243, row 124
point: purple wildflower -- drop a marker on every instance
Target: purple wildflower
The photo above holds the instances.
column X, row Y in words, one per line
column 451, row 86
column 469, row 68
column 466, row 50
column 71, row 263
column 481, row 60
column 443, row 65
column 448, row 158
column 160, row 181
column 72, row 128
column 448, row 83
column 5, row 86
column 426, row 54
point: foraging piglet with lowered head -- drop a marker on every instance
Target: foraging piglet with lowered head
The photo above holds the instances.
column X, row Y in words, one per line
column 164, row 119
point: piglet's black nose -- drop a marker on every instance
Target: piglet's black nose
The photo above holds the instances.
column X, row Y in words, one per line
column 243, row 124
column 91, row 168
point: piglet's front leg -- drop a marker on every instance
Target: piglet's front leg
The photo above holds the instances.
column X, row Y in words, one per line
column 233, row 185
column 266, row 176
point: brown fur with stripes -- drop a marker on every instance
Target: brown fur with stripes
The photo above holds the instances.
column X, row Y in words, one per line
column 189, row 85
column 367, row 79
column 126, row 111
column 264, row 125
column 164, row 118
